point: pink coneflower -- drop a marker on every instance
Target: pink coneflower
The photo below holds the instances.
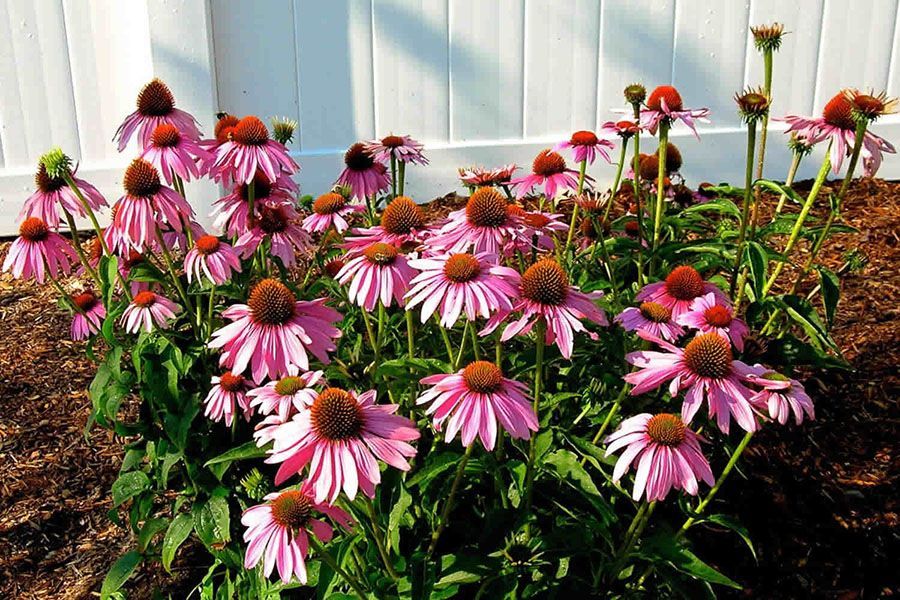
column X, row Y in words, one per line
column 279, row 531
column 340, row 436
column 146, row 204
column 454, row 284
column 537, row 226
column 402, row 224
column 362, row 173
column 213, row 258
column 228, row 391
column 39, row 252
column 479, row 176
column 709, row 316
column 668, row 456
column 273, row 332
column 665, row 104
column 679, row 290
column 548, row 169
column 155, row 106
column 174, row 154
column 838, row 124
column 380, row 273
column 221, row 134
column 290, row 393
column 329, row 210
column 53, row 192
column 249, row 149
column 89, row 317
column 148, row 310
column 278, row 224
column 623, row 129
column 484, row 225
column 401, row 147
column 546, row 294
column 586, row 146
column 231, row 213
column 707, row 369
column 475, row 399
column 652, row 318
column 781, row 396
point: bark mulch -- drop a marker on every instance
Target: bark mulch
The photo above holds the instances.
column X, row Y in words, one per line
column 820, row 501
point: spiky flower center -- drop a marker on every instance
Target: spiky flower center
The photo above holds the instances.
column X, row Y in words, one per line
column 486, row 208
column 709, row 355
column 333, row 267
column 328, row 204
column 144, row 299
column 545, row 282
column 141, row 179
column 653, row 311
column 684, row 283
column 224, row 127
column 548, row 163
column 667, row 93
column 839, row 113
column 584, row 138
column 272, row 219
column 483, row 377
column 392, row 141
column 666, row 429
column 649, row 167
column 45, row 183
column 288, row 386
column 207, row 244
column 250, row 131
column 292, row 509
column 231, row 382
column 536, row 220
column 85, row 301
column 155, row 99
column 336, row 415
column 718, row 316
column 165, row 136
column 767, row 37
column 357, row 159
column 635, row 93
column 34, row 229
column 588, row 229
column 380, row 254
column 752, row 105
column 401, row 216
column 461, row 268
column 271, row 302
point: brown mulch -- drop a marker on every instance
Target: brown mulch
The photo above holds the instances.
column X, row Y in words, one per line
column 820, row 502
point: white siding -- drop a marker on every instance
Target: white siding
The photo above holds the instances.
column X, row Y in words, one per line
column 479, row 81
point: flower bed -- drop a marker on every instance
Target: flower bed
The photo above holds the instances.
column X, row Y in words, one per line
column 377, row 360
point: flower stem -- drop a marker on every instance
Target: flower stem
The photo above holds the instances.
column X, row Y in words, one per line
column 540, row 329
column 448, row 506
column 660, row 189
column 745, row 208
column 609, row 417
column 76, row 242
column 210, row 312
column 638, row 195
column 447, row 344
column 763, row 134
column 789, row 181
column 574, row 222
column 167, row 258
column 462, row 345
column 70, row 181
column 379, row 337
column 616, row 180
column 401, row 177
column 798, row 224
column 393, row 175
column 379, row 539
column 331, row 562
column 410, row 335
column 475, row 348
column 632, row 535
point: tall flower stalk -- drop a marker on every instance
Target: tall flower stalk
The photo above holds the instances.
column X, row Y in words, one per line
column 767, row 39
column 660, row 207
column 635, row 94
column 799, row 150
column 540, row 332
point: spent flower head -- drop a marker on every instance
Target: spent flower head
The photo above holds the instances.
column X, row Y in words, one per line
column 635, row 93
column 753, row 104
column 283, row 129
column 869, row 106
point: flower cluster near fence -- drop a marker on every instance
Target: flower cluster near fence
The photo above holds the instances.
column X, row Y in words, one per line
column 538, row 388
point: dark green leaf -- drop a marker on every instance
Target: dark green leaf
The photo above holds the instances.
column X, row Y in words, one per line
column 128, row 485
column 733, row 525
column 119, row 573
column 179, row 530
column 242, row 452
column 831, row 293
column 148, row 531
column 759, row 265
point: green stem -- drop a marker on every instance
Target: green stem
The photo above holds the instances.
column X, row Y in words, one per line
column 393, row 175
column 745, row 208
column 379, row 539
column 331, row 562
column 609, row 417
column 635, row 529
column 540, row 330
column 801, row 218
column 170, row 266
column 792, row 172
column 462, row 345
column 210, row 312
column 660, row 189
column 446, row 336
column 401, row 183
column 70, row 181
column 448, row 506
column 574, row 222
column 638, row 195
column 609, row 269
column 380, row 337
column 767, row 89
column 62, row 292
column 616, row 180
column 475, row 348
column 76, row 242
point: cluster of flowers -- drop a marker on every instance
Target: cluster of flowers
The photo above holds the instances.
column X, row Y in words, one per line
column 457, row 267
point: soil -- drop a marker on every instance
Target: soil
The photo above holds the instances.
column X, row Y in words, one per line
column 820, row 500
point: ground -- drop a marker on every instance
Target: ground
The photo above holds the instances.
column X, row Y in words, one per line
column 820, row 500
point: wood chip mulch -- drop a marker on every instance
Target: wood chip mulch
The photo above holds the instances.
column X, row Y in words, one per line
column 820, row 500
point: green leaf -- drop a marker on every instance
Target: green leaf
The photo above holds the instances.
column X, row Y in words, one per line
column 732, row 524
column 460, row 569
column 119, row 573
column 148, row 531
column 687, row 562
column 129, row 485
column 242, row 452
column 803, row 313
column 211, row 520
column 404, row 501
column 831, row 293
column 721, row 206
column 780, row 189
column 179, row 530
column 568, row 466
column 759, row 265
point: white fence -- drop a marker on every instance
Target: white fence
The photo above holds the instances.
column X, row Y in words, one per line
column 479, row 81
